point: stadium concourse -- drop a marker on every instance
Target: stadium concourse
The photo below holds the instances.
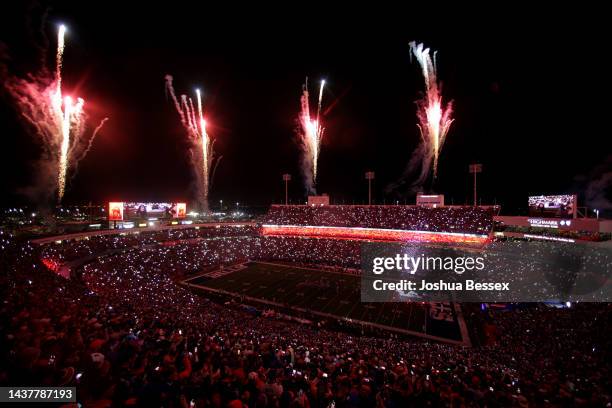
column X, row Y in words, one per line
column 126, row 332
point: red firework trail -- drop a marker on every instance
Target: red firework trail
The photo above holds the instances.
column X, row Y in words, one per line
column 59, row 120
column 434, row 117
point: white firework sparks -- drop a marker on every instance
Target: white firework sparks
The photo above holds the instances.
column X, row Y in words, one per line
column 194, row 123
column 311, row 135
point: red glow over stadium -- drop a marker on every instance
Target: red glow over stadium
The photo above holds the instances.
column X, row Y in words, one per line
column 373, row 234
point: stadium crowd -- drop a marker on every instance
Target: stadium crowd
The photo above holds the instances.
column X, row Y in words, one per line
column 475, row 220
column 126, row 334
column 86, row 246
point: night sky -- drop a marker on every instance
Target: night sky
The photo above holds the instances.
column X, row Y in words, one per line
column 522, row 81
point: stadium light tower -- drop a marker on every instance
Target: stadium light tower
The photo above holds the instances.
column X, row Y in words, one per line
column 369, row 176
column 475, row 169
column 287, row 179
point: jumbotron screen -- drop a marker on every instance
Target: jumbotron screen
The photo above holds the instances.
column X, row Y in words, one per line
column 124, row 210
column 561, row 206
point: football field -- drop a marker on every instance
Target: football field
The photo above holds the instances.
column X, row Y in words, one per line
column 326, row 294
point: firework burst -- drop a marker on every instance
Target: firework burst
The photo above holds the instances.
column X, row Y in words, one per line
column 434, row 117
column 202, row 155
column 58, row 119
column 311, row 134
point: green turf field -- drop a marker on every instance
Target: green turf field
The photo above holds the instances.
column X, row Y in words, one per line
column 322, row 292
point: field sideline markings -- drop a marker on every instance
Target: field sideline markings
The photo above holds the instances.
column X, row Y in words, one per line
column 329, row 315
column 206, row 274
column 306, row 268
column 459, row 315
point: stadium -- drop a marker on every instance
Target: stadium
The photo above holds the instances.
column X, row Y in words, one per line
column 314, row 209
column 246, row 312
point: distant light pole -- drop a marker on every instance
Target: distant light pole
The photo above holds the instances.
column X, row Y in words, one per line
column 287, row 179
column 221, row 205
column 369, row 176
column 475, row 169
